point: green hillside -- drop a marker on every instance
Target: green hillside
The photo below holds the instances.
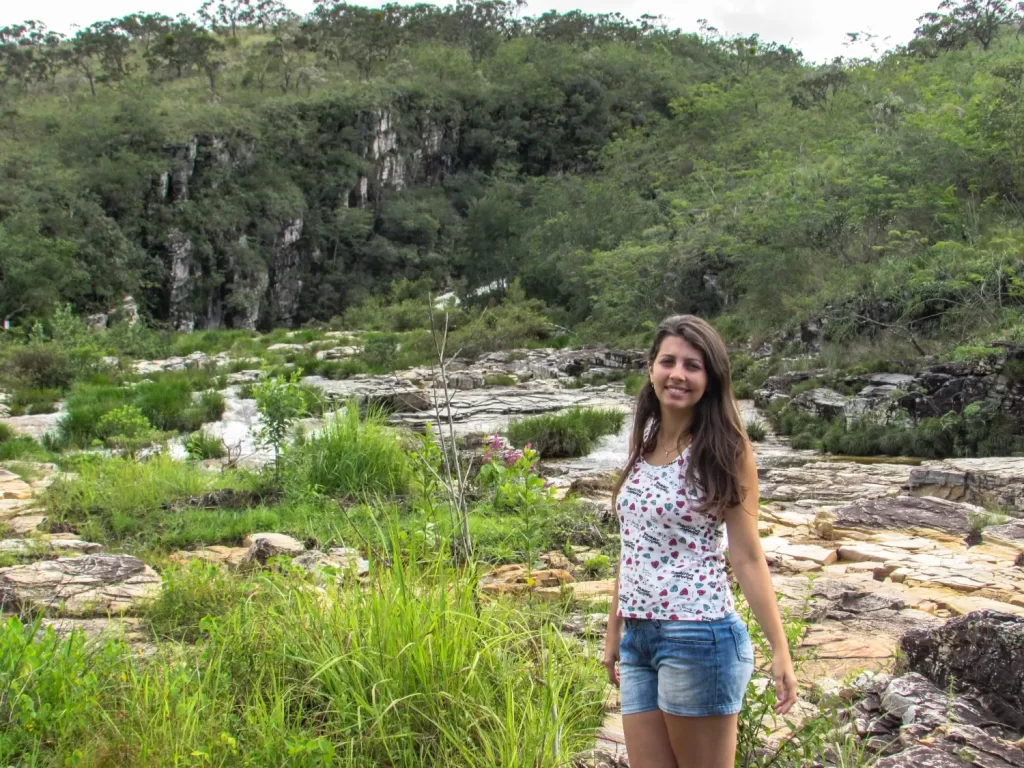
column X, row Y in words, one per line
column 250, row 169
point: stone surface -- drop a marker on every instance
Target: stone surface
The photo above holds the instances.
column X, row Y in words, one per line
column 217, row 555
column 92, row 585
column 921, row 757
column 984, row 650
column 25, row 523
column 513, row 579
column 263, row 546
column 341, row 559
column 995, row 481
column 907, row 513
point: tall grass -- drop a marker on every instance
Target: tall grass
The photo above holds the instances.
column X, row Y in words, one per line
column 351, row 456
column 570, row 433
column 120, row 500
column 405, row 672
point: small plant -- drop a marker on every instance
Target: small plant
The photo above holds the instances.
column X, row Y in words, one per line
column 6, row 432
column 519, row 490
column 977, row 522
column 126, row 429
column 202, row 445
column 597, row 567
column 281, row 402
column 29, row 402
column 634, row 383
column 756, row 431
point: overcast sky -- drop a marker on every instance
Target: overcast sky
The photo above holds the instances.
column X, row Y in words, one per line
column 817, row 27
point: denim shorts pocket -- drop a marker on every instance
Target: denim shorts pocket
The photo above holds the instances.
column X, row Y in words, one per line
column 744, row 648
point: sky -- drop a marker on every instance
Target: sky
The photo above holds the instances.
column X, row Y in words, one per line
column 816, row 27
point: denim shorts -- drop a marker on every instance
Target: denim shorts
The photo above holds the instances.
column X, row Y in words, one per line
column 685, row 668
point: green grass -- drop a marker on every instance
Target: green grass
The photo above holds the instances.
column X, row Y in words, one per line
column 168, row 403
column 202, row 445
column 756, row 431
column 115, row 500
column 408, row 672
column 634, row 383
column 29, row 402
column 351, row 457
column 25, row 449
column 570, row 433
column 500, row 380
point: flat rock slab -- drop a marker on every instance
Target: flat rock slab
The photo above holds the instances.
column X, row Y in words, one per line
column 831, row 481
column 907, row 512
column 23, row 524
column 1011, row 533
column 811, row 552
column 922, row 757
column 215, row 555
column 92, row 585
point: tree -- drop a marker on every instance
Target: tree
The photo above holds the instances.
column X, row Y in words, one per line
column 185, row 47
column 954, row 24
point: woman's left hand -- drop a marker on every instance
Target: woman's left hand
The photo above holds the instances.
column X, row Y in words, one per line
column 785, row 682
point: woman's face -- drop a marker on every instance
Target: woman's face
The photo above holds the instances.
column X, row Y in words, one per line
column 678, row 374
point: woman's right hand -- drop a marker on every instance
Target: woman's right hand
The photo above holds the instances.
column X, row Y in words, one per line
column 611, row 655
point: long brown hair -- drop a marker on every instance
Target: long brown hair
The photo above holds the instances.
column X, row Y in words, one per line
column 718, row 435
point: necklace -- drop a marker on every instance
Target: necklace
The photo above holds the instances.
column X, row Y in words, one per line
column 676, row 448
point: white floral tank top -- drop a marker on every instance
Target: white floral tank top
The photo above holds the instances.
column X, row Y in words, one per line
column 672, row 565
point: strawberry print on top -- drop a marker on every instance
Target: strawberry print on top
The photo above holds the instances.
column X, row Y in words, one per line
column 672, row 566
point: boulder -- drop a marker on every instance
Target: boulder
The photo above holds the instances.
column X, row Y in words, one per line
column 340, row 559
column 513, row 579
column 904, row 512
column 263, row 546
column 93, row 585
column 983, row 650
column 822, row 402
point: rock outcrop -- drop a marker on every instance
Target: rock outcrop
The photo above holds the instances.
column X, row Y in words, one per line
column 93, row 585
column 982, row 650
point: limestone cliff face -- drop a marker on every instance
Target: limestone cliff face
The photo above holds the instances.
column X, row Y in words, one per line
column 235, row 260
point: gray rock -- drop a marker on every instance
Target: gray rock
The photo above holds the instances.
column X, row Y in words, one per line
column 994, row 481
column 263, row 546
column 915, row 699
column 822, row 402
column 922, row 757
column 983, row 650
column 93, row 585
column 905, row 512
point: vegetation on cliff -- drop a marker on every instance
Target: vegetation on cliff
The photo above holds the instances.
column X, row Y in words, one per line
column 256, row 169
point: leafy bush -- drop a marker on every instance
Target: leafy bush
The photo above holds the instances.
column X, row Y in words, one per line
column 597, row 567
column 756, row 431
column 202, row 445
column 351, row 457
column 379, row 352
column 6, row 432
column 39, row 366
column 170, row 405
column 571, row 433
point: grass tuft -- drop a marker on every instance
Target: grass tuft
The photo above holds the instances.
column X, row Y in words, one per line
column 570, row 433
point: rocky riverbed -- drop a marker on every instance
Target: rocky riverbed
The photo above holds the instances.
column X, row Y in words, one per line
column 870, row 552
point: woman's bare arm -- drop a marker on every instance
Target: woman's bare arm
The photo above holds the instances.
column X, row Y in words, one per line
column 751, row 571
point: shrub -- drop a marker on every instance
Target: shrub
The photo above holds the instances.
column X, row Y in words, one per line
column 40, row 366
column 6, row 432
column 571, row 433
column 379, row 352
column 125, row 429
column 597, row 567
column 756, row 431
column 352, row 457
column 166, row 403
column 202, row 445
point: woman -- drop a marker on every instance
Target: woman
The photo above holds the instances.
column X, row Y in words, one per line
column 675, row 644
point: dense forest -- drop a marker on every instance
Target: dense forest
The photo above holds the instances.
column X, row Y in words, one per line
column 248, row 168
